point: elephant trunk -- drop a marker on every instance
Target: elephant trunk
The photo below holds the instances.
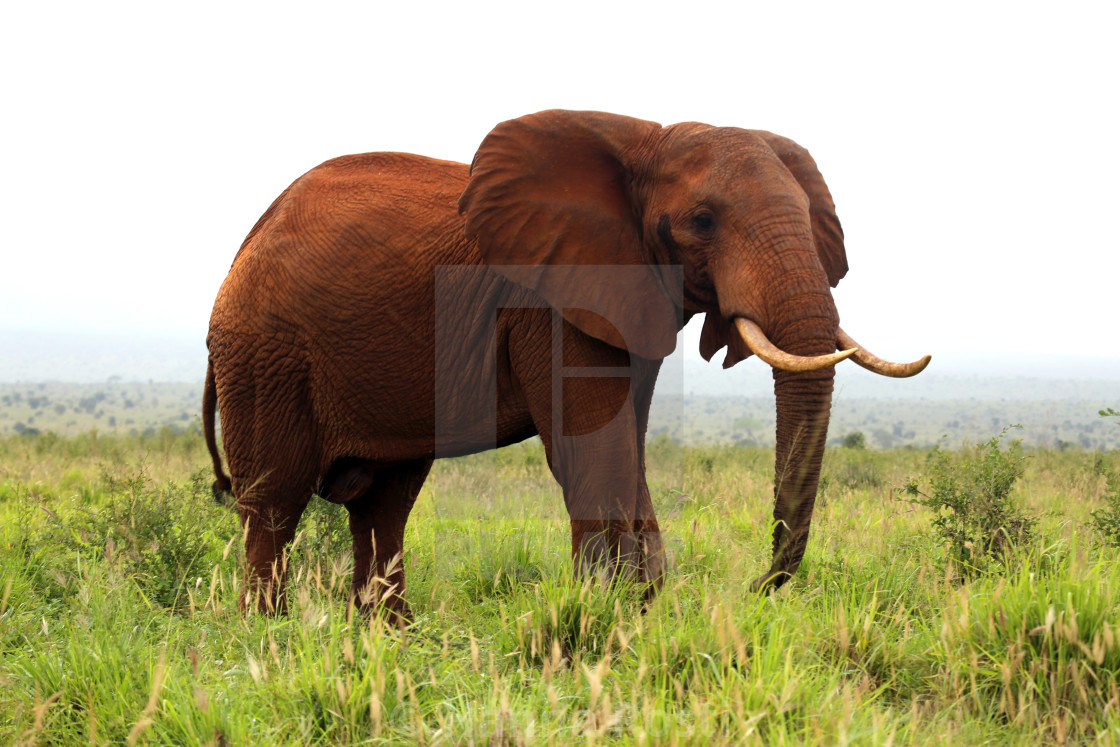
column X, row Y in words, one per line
column 790, row 303
column 804, row 401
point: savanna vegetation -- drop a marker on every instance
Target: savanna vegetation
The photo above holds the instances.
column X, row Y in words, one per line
column 114, row 406
column 960, row 596
column 1065, row 420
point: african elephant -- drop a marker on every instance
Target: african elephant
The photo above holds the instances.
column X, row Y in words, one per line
column 547, row 281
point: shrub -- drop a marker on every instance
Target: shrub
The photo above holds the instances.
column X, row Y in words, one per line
column 976, row 516
column 162, row 537
column 1107, row 520
column 853, row 468
column 855, row 440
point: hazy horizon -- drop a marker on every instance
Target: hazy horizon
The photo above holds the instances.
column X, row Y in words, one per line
column 83, row 356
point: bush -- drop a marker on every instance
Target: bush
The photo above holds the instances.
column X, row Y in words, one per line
column 976, row 516
column 162, row 537
column 853, row 468
column 1107, row 520
column 855, row 440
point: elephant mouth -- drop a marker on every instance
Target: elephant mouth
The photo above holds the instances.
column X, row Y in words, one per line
column 847, row 347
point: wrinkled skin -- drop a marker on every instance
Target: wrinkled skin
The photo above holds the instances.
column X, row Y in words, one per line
column 342, row 362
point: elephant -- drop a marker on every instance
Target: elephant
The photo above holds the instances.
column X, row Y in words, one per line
column 388, row 309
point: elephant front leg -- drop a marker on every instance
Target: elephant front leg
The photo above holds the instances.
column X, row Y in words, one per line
column 598, row 462
column 377, row 524
column 589, row 402
column 620, row 548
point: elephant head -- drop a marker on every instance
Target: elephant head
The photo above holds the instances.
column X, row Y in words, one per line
column 745, row 219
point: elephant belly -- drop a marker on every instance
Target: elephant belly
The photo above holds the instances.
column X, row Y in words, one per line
column 390, row 407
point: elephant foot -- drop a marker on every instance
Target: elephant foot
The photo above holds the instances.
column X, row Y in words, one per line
column 265, row 599
column 769, row 581
column 653, row 570
column 264, row 588
column 397, row 616
column 633, row 557
column 377, row 600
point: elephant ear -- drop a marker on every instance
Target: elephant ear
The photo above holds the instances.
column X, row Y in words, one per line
column 551, row 205
column 827, row 233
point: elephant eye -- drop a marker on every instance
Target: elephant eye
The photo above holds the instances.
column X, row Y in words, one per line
column 703, row 222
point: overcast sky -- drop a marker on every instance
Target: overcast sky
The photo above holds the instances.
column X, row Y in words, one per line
column 970, row 147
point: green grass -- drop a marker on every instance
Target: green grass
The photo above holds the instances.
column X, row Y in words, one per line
column 119, row 579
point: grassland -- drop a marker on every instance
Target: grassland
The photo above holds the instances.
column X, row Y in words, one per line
column 127, row 408
column 119, row 623
column 135, row 408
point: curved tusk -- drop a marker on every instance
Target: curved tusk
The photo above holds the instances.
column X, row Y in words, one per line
column 876, row 364
column 762, row 347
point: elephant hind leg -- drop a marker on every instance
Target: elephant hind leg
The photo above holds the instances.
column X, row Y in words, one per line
column 270, row 441
column 270, row 503
column 269, row 528
column 377, row 522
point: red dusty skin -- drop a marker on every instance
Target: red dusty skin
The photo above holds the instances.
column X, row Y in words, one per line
column 804, row 401
column 534, row 292
column 802, row 322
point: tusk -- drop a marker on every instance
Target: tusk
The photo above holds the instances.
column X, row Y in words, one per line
column 762, row 347
column 875, row 363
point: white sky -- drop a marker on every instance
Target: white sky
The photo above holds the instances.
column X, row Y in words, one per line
column 971, row 148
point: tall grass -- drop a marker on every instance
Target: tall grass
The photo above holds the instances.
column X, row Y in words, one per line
column 119, row 580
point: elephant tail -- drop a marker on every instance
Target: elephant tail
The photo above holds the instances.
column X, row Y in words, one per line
column 222, row 484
